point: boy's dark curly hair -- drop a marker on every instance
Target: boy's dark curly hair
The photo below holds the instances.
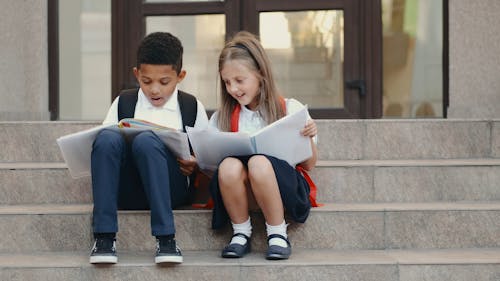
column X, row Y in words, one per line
column 160, row 48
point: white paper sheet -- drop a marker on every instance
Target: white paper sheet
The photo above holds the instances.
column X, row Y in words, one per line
column 281, row 139
column 76, row 148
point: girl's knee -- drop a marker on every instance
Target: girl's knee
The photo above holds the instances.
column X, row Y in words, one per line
column 259, row 166
column 231, row 169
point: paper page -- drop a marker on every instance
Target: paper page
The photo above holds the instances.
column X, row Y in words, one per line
column 176, row 141
column 76, row 149
column 282, row 139
column 211, row 146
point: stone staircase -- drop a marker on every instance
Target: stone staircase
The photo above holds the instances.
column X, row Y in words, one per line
column 404, row 200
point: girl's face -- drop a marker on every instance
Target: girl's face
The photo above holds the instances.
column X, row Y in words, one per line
column 241, row 83
column 158, row 82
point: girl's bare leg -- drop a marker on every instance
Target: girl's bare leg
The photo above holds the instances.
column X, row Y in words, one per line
column 233, row 179
column 265, row 189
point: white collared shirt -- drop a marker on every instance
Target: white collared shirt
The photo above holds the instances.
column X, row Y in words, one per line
column 169, row 115
column 251, row 121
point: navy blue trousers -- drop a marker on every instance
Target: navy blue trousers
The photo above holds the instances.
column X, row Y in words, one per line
column 136, row 174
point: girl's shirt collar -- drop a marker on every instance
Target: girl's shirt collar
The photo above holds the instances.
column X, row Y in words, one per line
column 250, row 121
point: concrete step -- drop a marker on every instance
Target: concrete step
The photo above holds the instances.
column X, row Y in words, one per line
column 425, row 180
column 375, row 265
column 338, row 139
column 408, row 139
column 341, row 181
column 333, row 226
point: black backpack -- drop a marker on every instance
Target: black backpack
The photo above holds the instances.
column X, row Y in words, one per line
column 187, row 105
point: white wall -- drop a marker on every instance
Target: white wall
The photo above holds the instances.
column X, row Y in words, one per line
column 474, row 59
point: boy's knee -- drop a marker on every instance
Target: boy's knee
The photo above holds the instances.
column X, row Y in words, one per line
column 146, row 141
column 108, row 139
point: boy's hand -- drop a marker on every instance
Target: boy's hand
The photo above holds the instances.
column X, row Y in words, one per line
column 310, row 129
column 187, row 166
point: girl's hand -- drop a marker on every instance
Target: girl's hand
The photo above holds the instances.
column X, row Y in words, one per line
column 310, row 129
column 187, row 166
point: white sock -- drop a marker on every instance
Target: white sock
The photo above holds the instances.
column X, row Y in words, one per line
column 244, row 228
column 277, row 229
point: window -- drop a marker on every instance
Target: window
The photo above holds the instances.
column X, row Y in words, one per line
column 413, row 72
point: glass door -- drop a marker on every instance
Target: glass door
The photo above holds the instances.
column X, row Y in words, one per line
column 325, row 53
column 319, row 52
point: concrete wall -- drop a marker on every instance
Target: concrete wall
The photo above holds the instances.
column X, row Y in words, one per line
column 23, row 60
column 474, row 59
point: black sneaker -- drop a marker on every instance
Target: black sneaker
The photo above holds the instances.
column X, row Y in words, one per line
column 104, row 251
column 167, row 251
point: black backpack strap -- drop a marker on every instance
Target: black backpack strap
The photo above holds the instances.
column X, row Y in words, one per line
column 126, row 103
column 187, row 105
column 189, row 109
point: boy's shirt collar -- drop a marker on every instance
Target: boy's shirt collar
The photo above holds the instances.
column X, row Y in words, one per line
column 171, row 104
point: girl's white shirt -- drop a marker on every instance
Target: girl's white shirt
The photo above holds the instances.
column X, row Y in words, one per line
column 252, row 121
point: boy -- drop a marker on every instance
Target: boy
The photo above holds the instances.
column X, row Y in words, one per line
column 142, row 173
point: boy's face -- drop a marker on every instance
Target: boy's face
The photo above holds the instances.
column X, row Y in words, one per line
column 158, row 82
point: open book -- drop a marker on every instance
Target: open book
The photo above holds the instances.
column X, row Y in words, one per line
column 76, row 148
column 281, row 139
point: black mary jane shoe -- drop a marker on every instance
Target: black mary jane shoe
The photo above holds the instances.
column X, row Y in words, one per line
column 275, row 252
column 236, row 250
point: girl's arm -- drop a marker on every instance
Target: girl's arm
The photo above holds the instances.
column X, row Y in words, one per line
column 310, row 130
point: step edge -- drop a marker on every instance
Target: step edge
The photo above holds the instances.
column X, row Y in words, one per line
column 320, row 163
column 85, row 209
column 300, row 257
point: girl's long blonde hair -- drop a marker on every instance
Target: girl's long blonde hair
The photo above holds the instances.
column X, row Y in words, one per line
column 245, row 47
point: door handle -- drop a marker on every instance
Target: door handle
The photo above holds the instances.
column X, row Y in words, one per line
column 357, row 84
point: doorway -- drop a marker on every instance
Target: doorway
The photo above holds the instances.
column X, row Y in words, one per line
column 325, row 53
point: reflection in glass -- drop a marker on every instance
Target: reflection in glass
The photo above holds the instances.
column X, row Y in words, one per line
column 412, row 58
column 306, row 49
column 202, row 37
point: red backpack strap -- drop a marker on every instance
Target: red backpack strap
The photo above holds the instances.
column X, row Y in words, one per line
column 313, row 192
column 235, row 118
column 283, row 104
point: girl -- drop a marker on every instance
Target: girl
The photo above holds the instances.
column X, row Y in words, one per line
column 250, row 101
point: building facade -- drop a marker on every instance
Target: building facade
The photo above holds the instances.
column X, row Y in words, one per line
column 473, row 67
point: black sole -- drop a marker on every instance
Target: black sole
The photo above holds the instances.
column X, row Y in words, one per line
column 277, row 257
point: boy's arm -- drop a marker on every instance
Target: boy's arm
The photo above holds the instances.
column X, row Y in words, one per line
column 187, row 166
